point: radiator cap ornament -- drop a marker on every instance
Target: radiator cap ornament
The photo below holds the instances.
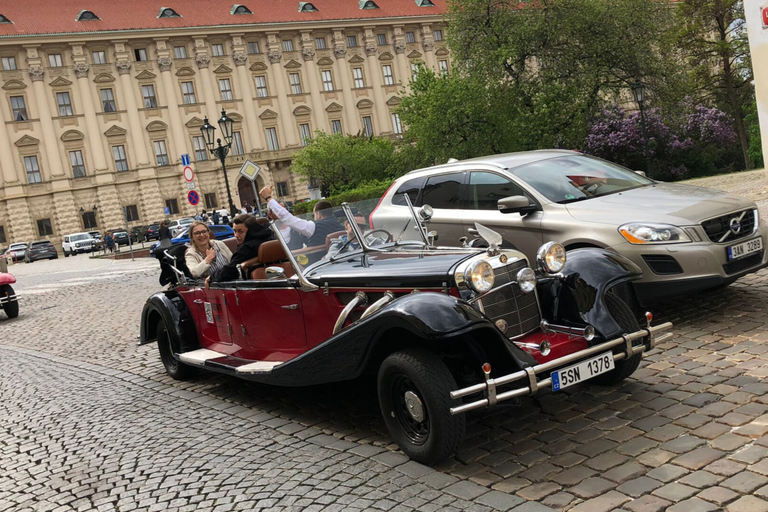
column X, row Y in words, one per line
column 501, row 324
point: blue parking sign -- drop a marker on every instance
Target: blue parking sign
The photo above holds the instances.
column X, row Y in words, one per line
column 167, row 210
column 185, row 159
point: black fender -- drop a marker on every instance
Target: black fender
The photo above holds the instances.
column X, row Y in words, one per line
column 580, row 297
column 169, row 307
column 438, row 322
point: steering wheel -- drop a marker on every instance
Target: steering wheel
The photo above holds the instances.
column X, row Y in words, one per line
column 387, row 238
column 592, row 188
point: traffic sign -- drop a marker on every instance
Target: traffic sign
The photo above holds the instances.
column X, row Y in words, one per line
column 189, row 174
column 190, row 185
column 250, row 170
column 185, row 159
column 167, row 210
column 193, row 197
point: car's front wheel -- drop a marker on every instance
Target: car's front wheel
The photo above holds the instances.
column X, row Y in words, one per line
column 414, row 388
column 11, row 308
column 173, row 367
column 627, row 320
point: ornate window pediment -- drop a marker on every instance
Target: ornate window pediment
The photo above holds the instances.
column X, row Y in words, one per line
column 12, row 85
column 71, row 135
column 115, row 131
column 292, row 64
column 157, row 126
column 146, row 75
column 442, row 51
column 302, row 111
column 325, row 61
column 268, row 114
column 356, row 60
column 386, row 56
column 60, row 82
column 334, row 107
column 393, row 101
column 185, row 71
column 102, row 78
column 222, row 70
column 414, row 55
column 195, row 122
column 365, row 103
column 27, row 140
column 258, row 66
column 235, row 117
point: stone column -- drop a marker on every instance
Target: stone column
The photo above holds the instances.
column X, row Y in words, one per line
column 10, row 174
column 134, row 122
column 244, row 84
column 371, row 50
column 354, row 124
column 91, row 122
column 203, row 60
column 428, row 45
column 403, row 66
column 285, row 114
column 177, row 128
column 53, row 157
column 308, row 54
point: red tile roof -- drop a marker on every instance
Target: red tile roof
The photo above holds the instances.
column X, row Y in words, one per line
column 39, row 17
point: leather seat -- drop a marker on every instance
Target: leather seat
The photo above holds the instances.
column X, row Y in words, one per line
column 231, row 244
column 272, row 254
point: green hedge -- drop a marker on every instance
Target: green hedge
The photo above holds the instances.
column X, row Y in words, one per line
column 369, row 190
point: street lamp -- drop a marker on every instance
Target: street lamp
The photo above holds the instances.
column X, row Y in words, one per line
column 638, row 90
column 220, row 151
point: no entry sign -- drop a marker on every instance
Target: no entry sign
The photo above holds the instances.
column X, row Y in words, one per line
column 193, row 197
column 189, row 175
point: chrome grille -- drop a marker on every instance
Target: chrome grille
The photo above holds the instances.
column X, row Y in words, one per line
column 719, row 229
column 520, row 310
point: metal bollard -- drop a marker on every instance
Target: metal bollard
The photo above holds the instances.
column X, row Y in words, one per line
column 3, row 264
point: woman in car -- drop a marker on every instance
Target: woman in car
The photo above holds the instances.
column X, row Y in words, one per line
column 205, row 254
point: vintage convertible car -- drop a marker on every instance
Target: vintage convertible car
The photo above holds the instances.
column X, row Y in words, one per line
column 9, row 301
column 444, row 330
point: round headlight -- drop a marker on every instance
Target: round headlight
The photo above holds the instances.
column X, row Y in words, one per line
column 480, row 276
column 426, row 212
column 551, row 257
column 526, row 280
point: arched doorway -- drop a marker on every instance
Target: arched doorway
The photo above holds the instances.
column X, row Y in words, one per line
column 246, row 192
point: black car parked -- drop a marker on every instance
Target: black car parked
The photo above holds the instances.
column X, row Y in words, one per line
column 153, row 232
column 120, row 238
column 40, row 250
column 139, row 233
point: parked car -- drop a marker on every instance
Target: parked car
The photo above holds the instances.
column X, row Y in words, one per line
column 17, row 251
column 9, row 301
column 177, row 226
column 683, row 238
column 120, row 238
column 76, row 243
column 153, row 232
column 40, row 250
column 443, row 330
column 220, row 232
column 139, row 233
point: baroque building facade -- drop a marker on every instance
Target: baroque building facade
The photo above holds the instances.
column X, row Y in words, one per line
column 98, row 107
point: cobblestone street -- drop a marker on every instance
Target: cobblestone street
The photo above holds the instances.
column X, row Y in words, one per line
column 89, row 420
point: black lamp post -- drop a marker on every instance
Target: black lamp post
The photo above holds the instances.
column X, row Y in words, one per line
column 638, row 90
column 220, row 151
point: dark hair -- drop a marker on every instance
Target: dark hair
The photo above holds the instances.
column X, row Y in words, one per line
column 324, row 207
column 245, row 218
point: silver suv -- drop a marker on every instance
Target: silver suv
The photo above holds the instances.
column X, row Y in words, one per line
column 684, row 238
column 76, row 243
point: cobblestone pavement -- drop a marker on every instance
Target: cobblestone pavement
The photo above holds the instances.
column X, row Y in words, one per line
column 687, row 432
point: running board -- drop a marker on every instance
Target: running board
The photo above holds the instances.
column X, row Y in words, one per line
column 204, row 356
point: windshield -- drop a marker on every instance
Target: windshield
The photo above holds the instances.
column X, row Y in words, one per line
column 76, row 238
column 576, row 178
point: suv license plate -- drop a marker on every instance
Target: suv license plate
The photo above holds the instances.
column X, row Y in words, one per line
column 583, row 371
column 745, row 248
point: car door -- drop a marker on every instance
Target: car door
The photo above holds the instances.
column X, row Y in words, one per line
column 443, row 193
column 210, row 311
column 483, row 190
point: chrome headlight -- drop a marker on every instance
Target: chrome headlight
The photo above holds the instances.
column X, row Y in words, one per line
column 551, row 257
column 526, row 280
column 480, row 276
column 648, row 233
column 426, row 212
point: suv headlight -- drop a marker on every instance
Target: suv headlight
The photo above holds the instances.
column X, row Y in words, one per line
column 480, row 276
column 649, row 233
column 551, row 257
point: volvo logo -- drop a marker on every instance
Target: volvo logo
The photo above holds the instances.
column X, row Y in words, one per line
column 735, row 225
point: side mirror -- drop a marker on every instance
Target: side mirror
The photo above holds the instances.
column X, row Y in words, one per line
column 275, row 273
column 515, row 204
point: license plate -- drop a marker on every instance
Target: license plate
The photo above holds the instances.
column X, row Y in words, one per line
column 583, row 371
column 745, row 248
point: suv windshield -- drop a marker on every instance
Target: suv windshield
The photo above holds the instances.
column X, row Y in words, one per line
column 45, row 242
column 575, row 178
column 76, row 238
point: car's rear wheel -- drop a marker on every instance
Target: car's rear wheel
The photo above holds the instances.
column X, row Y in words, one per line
column 414, row 388
column 173, row 367
column 627, row 320
column 11, row 308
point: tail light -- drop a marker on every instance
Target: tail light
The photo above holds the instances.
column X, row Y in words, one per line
column 370, row 217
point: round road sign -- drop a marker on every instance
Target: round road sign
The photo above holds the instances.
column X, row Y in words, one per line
column 189, row 175
column 193, row 197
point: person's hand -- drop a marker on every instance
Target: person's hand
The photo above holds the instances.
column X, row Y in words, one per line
column 207, row 282
column 210, row 255
column 266, row 192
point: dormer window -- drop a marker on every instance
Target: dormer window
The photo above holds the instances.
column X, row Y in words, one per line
column 167, row 12
column 3, row 19
column 86, row 16
column 240, row 9
column 368, row 4
column 425, row 3
column 307, row 7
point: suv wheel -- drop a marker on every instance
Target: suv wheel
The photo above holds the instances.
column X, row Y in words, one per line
column 173, row 367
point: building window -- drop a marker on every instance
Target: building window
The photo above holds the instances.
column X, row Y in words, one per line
column 397, row 126
column 140, row 54
column 161, row 153
column 180, row 52
column 295, row 80
column 287, row 45
column 217, row 50
column 121, row 161
column 78, row 166
column 201, row 153
column 172, row 205
column 443, row 66
column 320, row 43
column 367, row 126
column 437, row 35
column 19, row 108
column 108, row 100
column 272, row 143
column 282, row 188
column 89, row 220
column 327, row 77
column 188, row 93
column 9, row 63
column 306, row 134
column 389, row 78
column 410, row 37
column 99, row 57
column 2, row 236
column 381, row 38
column 33, row 170
column 237, row 144
column 225, row 86
column 415, row 70
column 131, row 212
column 44, row 227
column 54, row 60
column 357, row 74
column 210, row 200
column 253, row 47
column 335, row 126
column 65, row 104
column 261, row 86
column 148, row 93
column 351, row 41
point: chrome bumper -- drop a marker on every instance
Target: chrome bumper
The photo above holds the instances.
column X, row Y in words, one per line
column 532, row 382
column 5, row 299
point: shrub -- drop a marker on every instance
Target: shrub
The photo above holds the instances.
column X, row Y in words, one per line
column 368, row 190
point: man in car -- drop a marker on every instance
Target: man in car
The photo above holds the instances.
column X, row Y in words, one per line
column 315, row 230
column 348, row 243
column 293, row 239
column 250, row 235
